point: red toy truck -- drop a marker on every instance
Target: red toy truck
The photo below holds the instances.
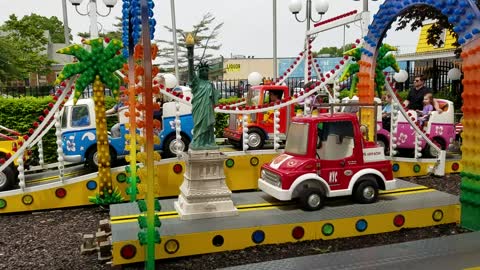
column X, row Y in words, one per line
column 326, row 156
column 260, row 125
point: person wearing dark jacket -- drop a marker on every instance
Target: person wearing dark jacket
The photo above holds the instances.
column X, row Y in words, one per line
column 414, row 99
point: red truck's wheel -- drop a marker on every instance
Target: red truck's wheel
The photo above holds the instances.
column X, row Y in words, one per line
column 312, row 199
column 256, row 139
column 7, row 178
column 366, row 191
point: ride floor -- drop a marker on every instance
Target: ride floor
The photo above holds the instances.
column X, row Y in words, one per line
column 445, row 253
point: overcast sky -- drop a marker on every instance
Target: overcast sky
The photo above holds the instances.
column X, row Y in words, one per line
column 247, row 26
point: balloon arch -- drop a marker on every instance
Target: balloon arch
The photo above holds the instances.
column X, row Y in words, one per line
column 465, row 16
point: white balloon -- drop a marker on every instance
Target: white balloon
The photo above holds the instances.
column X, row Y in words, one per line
column 401, row 76
column 454, row 74
column 255, row 78
column 170, row 80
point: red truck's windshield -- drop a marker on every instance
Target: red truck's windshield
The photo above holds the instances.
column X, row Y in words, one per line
column 297, row 139
column 253, row 97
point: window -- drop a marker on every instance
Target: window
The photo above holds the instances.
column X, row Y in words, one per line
column 80, row 116
column 297, row 139
column 64, row 117
column 253, row 97
column 335, row 140
column 272, row 96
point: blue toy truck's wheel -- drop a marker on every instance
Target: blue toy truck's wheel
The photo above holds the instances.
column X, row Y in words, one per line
column 312, row 199
column 7, row 178
column 366, row 191
column 92, row 159
column 169, row 147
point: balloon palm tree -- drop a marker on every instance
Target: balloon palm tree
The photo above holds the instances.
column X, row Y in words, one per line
column 384, row 60
column 97, row 66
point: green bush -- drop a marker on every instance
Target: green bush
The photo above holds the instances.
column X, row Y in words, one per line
column 20, row 113
column 221, row 119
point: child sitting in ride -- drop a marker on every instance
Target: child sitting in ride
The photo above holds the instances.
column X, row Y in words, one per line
column 427, row 108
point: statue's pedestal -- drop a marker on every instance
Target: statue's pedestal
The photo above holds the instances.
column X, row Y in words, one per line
column 204, row 193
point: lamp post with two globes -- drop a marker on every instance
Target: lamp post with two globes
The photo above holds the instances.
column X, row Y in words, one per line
column 295, row 6
column 92, row 13
column 321, row 6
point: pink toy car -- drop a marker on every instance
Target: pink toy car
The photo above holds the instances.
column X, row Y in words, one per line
column 440, row 128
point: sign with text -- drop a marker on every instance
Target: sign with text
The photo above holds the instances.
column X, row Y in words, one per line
column 233, row 67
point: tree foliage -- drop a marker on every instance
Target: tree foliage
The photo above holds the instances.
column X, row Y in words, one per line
column 416, row 16
column 8, row 61
column 205, row 34
column 27, row 44
column 333, row 51
column 34, row 25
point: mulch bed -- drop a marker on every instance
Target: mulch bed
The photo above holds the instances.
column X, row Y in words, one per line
column 52, row 239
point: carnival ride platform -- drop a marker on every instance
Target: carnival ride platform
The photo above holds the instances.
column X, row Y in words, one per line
column 45, row 190
column 264, row 220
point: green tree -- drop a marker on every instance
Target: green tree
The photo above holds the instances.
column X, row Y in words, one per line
column 8, row 61
column 34, row 25
column 416, row 16
column 333, row 51
column 27, row 40
column 205, row 34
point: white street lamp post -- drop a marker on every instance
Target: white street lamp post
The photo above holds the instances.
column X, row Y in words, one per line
column 321, row 6
column 365, row 4
column 92, row 13
column 295, row 6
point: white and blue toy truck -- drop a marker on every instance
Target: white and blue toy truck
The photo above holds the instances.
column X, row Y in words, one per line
column 79, row 132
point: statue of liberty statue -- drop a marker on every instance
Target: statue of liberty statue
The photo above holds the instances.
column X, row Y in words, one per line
column 205, row 97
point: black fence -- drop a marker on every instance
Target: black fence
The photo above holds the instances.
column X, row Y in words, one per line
column 434, row 71
column 238, row 87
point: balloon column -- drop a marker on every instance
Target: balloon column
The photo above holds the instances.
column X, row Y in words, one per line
column 136, row 115
column 138, row 27
column 97, row 66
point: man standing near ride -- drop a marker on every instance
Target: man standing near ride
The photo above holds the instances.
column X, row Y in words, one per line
column 414, row 99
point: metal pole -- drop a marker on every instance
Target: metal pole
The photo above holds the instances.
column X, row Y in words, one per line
column 274, row 39
column 92, row 13
column 308, row 18
column 309, row 13
column 174, row 33
column 66, row 31
column 365, row 5
column 150, row 196
column 344, row 28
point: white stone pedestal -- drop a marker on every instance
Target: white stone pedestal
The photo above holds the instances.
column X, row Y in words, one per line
column 204, row 193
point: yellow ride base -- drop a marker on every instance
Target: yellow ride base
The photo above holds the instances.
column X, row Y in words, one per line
column 267, row 221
